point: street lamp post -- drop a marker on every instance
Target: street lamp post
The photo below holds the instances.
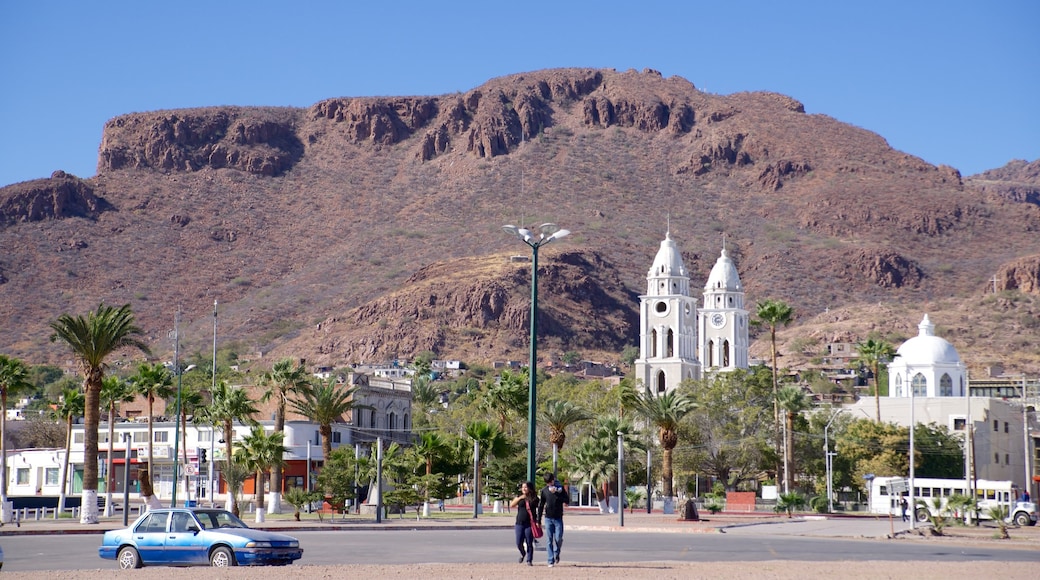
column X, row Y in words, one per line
column 127, row 436
column 547, row 233
column 827, row 461
column 177, row 417
column 913, row 499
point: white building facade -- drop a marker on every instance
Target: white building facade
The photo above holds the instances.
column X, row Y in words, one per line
column 678, row 341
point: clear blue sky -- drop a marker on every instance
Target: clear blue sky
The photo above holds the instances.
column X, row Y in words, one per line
column 954, row 82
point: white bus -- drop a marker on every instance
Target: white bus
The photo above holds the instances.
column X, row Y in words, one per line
column 987, row 494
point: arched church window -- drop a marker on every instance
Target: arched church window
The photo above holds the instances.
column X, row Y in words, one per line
column 670, row 347
column 725, row 353
column 406, row 424
column 920, row 385
column 711, row 354
column 660, row 382
column 391, row 420
column 899, row 385
column 731, row 301
column 653, row 343
column 945, row 386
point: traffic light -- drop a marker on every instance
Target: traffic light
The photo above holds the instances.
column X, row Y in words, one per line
column 202, row 456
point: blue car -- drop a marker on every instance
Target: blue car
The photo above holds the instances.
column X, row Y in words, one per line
column 196, row 537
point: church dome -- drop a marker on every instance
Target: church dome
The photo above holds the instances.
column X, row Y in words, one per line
column 724, row 275
column 668, row 261
column 926, row 348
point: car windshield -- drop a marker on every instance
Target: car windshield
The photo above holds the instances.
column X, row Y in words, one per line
column 219, row 519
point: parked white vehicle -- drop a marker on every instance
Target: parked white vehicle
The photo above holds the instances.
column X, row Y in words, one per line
column 988, row 494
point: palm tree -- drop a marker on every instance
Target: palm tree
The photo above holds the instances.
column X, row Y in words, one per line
column 152, row 381
column 791, row 400
column 92, row 339
column 325, row 402
column 872, row 353
column 114, row 390
column 592, row 461
column 665, row 411
column 260, row 451
column 559, row 415
column 191, row 400
column 430, row 446
column 283, row 380
column 774, row 313
column 14, row 380
column 229, row 404
column 71, row 406
column 507, row 394
column 491, row 442
column 424, row 396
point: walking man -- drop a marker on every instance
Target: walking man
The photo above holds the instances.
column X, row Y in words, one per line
column 553, row 499
column 902, row 508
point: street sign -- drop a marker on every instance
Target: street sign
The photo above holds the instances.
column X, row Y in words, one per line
column 898, row 486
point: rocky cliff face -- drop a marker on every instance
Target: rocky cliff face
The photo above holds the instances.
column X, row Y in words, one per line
column 61, row 196
column 366, row 228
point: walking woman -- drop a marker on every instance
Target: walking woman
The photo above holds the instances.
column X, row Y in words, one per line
column 526, row 504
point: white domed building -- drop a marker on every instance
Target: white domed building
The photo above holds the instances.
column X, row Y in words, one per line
column 926, row 366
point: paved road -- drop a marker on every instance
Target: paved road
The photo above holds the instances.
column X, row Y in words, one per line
column 403, row 546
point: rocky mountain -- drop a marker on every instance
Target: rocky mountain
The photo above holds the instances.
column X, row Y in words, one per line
column 360, row 229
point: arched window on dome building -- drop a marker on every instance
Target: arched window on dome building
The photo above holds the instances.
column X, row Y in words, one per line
column 945, row 386
column 899, row 385
column 920, row 385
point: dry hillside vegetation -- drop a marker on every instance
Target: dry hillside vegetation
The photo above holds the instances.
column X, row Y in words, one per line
column 365, row 228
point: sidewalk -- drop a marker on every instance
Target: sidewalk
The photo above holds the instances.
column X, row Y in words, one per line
column 454, row 519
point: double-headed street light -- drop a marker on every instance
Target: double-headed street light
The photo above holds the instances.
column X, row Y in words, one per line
column 546, row 234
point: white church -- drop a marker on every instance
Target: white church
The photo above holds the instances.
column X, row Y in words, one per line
column 678, row 341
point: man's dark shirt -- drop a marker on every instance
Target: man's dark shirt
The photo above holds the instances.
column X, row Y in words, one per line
column 552, row 502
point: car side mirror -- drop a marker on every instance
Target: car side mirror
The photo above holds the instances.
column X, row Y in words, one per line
column 193, row 528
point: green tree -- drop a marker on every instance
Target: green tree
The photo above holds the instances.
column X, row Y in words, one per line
column 792, row 401
column 507, row 395
column 229, row 404
column 335, row 481
column 92, row 339
column 872, row 354
column 665, row 411
column 70, row 407
column 872, row 447
column 424, row 399
column 430, row 446
column 559, row 415
column 774, row 313
column 325, row 402
column 789, row 502
column 284, row 380
column 260, row 451
column 14, row 380
column 629, row 355
column 592, row 462
column 191, row 401
column 114, row 390
column 732, row 425
column 491, row 442
column 152, row 381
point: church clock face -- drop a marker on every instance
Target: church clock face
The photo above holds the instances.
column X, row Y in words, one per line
column 718, row 320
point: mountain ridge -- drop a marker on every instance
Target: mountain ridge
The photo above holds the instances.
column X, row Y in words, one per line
column 295, row 218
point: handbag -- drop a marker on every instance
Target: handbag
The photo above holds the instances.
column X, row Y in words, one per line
column 536, row 528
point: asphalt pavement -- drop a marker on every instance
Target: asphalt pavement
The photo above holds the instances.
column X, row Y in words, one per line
column 863, row 526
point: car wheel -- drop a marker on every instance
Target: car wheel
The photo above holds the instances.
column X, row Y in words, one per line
column 221, row 557
column 128, row 558
column 922, row 515
column 1023, row 519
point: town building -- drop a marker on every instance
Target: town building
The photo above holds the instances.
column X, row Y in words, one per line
column 677, row 341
